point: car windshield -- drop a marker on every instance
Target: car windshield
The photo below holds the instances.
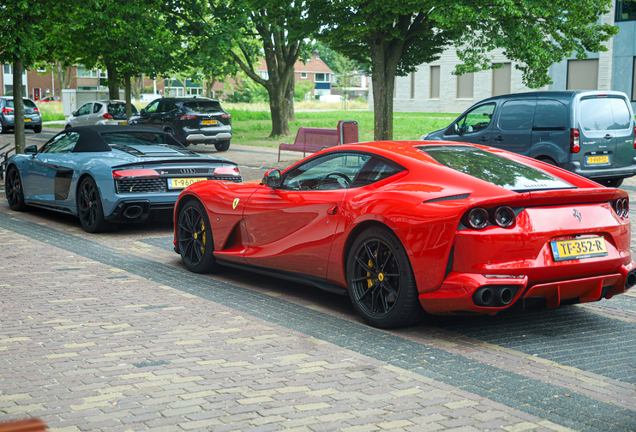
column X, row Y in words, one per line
column 494, row 169
column 28, row 103
column 119, row 109
column 203, row 106
column 135, row 138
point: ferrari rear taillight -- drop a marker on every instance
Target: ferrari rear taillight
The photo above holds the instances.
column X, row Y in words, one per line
column 187, row 117
column 575, row 143
column 7, row 111
column 227, row 171
column 135, row 173
column 621, row 207
column 108, row 116
column 478, row 218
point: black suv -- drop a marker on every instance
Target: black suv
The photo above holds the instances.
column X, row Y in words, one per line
column 190, row 120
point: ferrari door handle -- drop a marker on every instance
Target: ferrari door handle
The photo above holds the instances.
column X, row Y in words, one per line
column 499, row 138
column 483, row 139
column 333, row 210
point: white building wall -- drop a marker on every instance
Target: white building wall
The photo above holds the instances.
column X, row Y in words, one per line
column 448, row 101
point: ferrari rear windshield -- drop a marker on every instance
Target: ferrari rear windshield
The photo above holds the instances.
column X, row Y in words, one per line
column 494, row 169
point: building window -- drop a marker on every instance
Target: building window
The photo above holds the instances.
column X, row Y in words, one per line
column 625, row 10
column 8, row 69
column 83, row 72
column 501, row 79
column 264, row 74
column 322, row 77
column 87, row 87
column 434, row 82
column 303, row 75
column 465, row 86
column 582, row 74
column 412, row 85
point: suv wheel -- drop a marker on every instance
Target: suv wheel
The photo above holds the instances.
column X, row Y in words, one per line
column 37, row 129
column 222, row 146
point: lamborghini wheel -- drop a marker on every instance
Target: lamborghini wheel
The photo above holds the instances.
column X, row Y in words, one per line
column 194, row 238
column 89, row 208
column 14, row 192
column 380, row 280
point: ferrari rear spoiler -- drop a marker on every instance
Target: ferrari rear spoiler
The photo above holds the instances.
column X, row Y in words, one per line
column 557, row 197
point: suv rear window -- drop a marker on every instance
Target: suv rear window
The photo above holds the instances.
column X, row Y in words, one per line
column 607, row 113
column 203, row 106
column 494, row 169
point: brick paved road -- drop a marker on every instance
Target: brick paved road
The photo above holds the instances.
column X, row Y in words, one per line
column 109, row 332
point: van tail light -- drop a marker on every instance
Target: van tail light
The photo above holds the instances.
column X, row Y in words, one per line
column 187, row 117
column 108, row 116
column 7, row 111
column 137, row 173
column 575, row 143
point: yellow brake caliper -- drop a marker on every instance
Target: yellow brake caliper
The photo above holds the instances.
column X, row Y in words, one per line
column 203, row 236
column 370, row 281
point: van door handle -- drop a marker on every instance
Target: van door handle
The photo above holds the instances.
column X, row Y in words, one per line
column 483, row 139
column 499, row 138
column 608, row 137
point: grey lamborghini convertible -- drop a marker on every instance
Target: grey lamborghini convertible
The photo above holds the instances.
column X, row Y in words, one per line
column 108, row 175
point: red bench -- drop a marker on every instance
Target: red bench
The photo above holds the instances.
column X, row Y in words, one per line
column 312, row 140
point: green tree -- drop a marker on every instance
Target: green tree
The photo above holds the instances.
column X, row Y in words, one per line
column 23, row 26
column 127, row 38
column 393, row 38
column 249, row 31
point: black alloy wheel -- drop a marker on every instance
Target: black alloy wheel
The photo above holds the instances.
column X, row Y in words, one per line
column 89, row 208
column 381, row 283
column 194, row 238
column 222, row 146
column 14, row 192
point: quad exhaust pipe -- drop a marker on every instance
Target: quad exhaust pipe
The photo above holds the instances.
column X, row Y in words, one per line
column 497, row 295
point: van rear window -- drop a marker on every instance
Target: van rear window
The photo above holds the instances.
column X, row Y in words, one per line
column 608, row 113
column 494, row 169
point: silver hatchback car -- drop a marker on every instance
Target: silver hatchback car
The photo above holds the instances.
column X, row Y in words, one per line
column 108, row 112
column 32, row 115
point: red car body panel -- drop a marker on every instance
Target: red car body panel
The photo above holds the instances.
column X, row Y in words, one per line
column 308, row 232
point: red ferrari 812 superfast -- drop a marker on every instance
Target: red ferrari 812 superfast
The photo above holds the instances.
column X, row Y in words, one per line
column 409, row 229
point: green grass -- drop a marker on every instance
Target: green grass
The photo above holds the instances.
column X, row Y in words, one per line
column 254, row 127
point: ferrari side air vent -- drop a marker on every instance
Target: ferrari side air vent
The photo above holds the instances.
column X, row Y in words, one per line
column 449, row 198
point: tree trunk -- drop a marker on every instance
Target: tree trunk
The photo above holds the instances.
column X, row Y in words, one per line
column 280, row 127
column 18, row 105
column 289, row 98
column 128, row 94
column 208, row 87
column 385, row 57
column 113, row 82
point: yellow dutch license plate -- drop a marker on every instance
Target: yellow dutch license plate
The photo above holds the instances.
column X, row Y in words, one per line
column 209, row 122
column 591, row 160
column 26, row 120
column 123, row 123
column 182, row 183
column 578, row 248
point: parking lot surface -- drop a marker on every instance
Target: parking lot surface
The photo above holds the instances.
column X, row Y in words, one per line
column 110, row 332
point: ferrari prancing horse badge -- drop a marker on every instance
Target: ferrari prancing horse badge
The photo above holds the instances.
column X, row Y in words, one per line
column 235, row 203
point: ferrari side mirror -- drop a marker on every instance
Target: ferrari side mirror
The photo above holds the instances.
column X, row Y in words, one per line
column 272, row 178
column 32, row 150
